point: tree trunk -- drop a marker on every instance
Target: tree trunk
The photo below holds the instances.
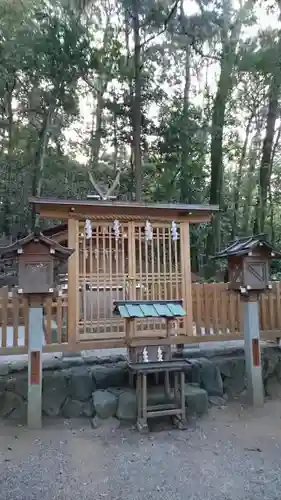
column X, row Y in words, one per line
column 136, row 115
column 251, row 181
column 238, row 178
column 7, row 209
column 270, row 191
column 218, row 118
column 185, row 185
column 271, row 214
column 131, row 102
column 265, row 166
column 229, row 36
column 39, row 162
column 115, row 144
column 100, row 89
column 97, row 131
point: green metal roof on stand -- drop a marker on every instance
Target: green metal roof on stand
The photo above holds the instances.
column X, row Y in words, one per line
column 149, row 308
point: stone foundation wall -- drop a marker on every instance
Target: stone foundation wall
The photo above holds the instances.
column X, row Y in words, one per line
column 93, row 386
column 222, row 373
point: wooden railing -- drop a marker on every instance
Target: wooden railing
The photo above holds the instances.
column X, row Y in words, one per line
column 14, row 323
column 217, row 315
column 217, row 312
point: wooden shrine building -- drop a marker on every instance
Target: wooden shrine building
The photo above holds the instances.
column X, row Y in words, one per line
column 124, row 251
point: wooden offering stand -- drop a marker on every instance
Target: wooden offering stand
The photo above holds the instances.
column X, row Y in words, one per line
column 152, row 355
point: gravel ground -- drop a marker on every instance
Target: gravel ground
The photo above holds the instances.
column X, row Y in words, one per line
column 233, row 453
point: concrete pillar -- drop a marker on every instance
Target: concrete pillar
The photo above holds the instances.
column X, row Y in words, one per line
column 252, row 351
column 35, row 338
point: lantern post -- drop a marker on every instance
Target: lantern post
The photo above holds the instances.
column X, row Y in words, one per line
column 248, row 268
column 252, row 348
column 35, row 256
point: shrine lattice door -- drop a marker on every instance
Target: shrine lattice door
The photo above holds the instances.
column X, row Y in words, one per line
column 120, row 261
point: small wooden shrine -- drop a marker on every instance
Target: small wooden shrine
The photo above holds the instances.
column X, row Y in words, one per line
column 248, row 263
column 124, row 251
column 36, row 257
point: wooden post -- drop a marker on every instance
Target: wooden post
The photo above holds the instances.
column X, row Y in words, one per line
column 131, row 261
column 252, row 350
column 35, row 339
column 186, row 277
column 132, row 275
column 73, row 282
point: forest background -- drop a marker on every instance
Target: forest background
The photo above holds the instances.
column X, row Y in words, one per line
column 181, row 97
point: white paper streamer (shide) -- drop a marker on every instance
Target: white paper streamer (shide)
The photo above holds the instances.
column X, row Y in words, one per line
column 148, row 231
column 116, row 228
column 88, row 229
column 174, row 231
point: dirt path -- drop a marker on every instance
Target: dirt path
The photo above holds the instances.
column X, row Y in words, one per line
column 231, row 454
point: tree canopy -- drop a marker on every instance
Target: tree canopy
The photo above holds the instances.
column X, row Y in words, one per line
column 183, row 98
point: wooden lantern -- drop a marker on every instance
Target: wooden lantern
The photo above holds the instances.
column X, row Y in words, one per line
column 248, row 263
column 35, row 256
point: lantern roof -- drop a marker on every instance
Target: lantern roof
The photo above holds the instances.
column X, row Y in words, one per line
column 17, row 246
column 243, row 246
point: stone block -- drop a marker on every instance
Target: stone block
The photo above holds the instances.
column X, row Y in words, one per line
column 71, row 362
column 52, row 364
column 18, row 383
column 4, row 368
column 217, row 401
column 117, row 390
column 196, row 399
column 3, row 384
column 225, row 366
column 72, row 408
column 90, row 359
column 88, row 408
column 233, row 373
column 210, row 377
column 271, row 362
column 110, row 375
column 12, row 406
column 127, row 406
column 273, row 387
column 110, row 424
column 18, row 365
column 81, row 384
column 55, row 392
column 105, row 403
column 192, row 371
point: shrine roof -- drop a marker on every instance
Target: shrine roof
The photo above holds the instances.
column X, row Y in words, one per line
column 18, row 245
column 54, row 230
column 55, row 208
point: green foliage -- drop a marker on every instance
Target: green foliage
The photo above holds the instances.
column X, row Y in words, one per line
column 68, row 104
column 178, row 130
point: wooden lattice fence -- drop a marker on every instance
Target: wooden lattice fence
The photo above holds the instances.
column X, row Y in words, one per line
column 217, row 315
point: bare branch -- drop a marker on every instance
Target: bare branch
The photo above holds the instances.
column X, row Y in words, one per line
column 199, row 52
column 165, row 25
column 90, row 83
